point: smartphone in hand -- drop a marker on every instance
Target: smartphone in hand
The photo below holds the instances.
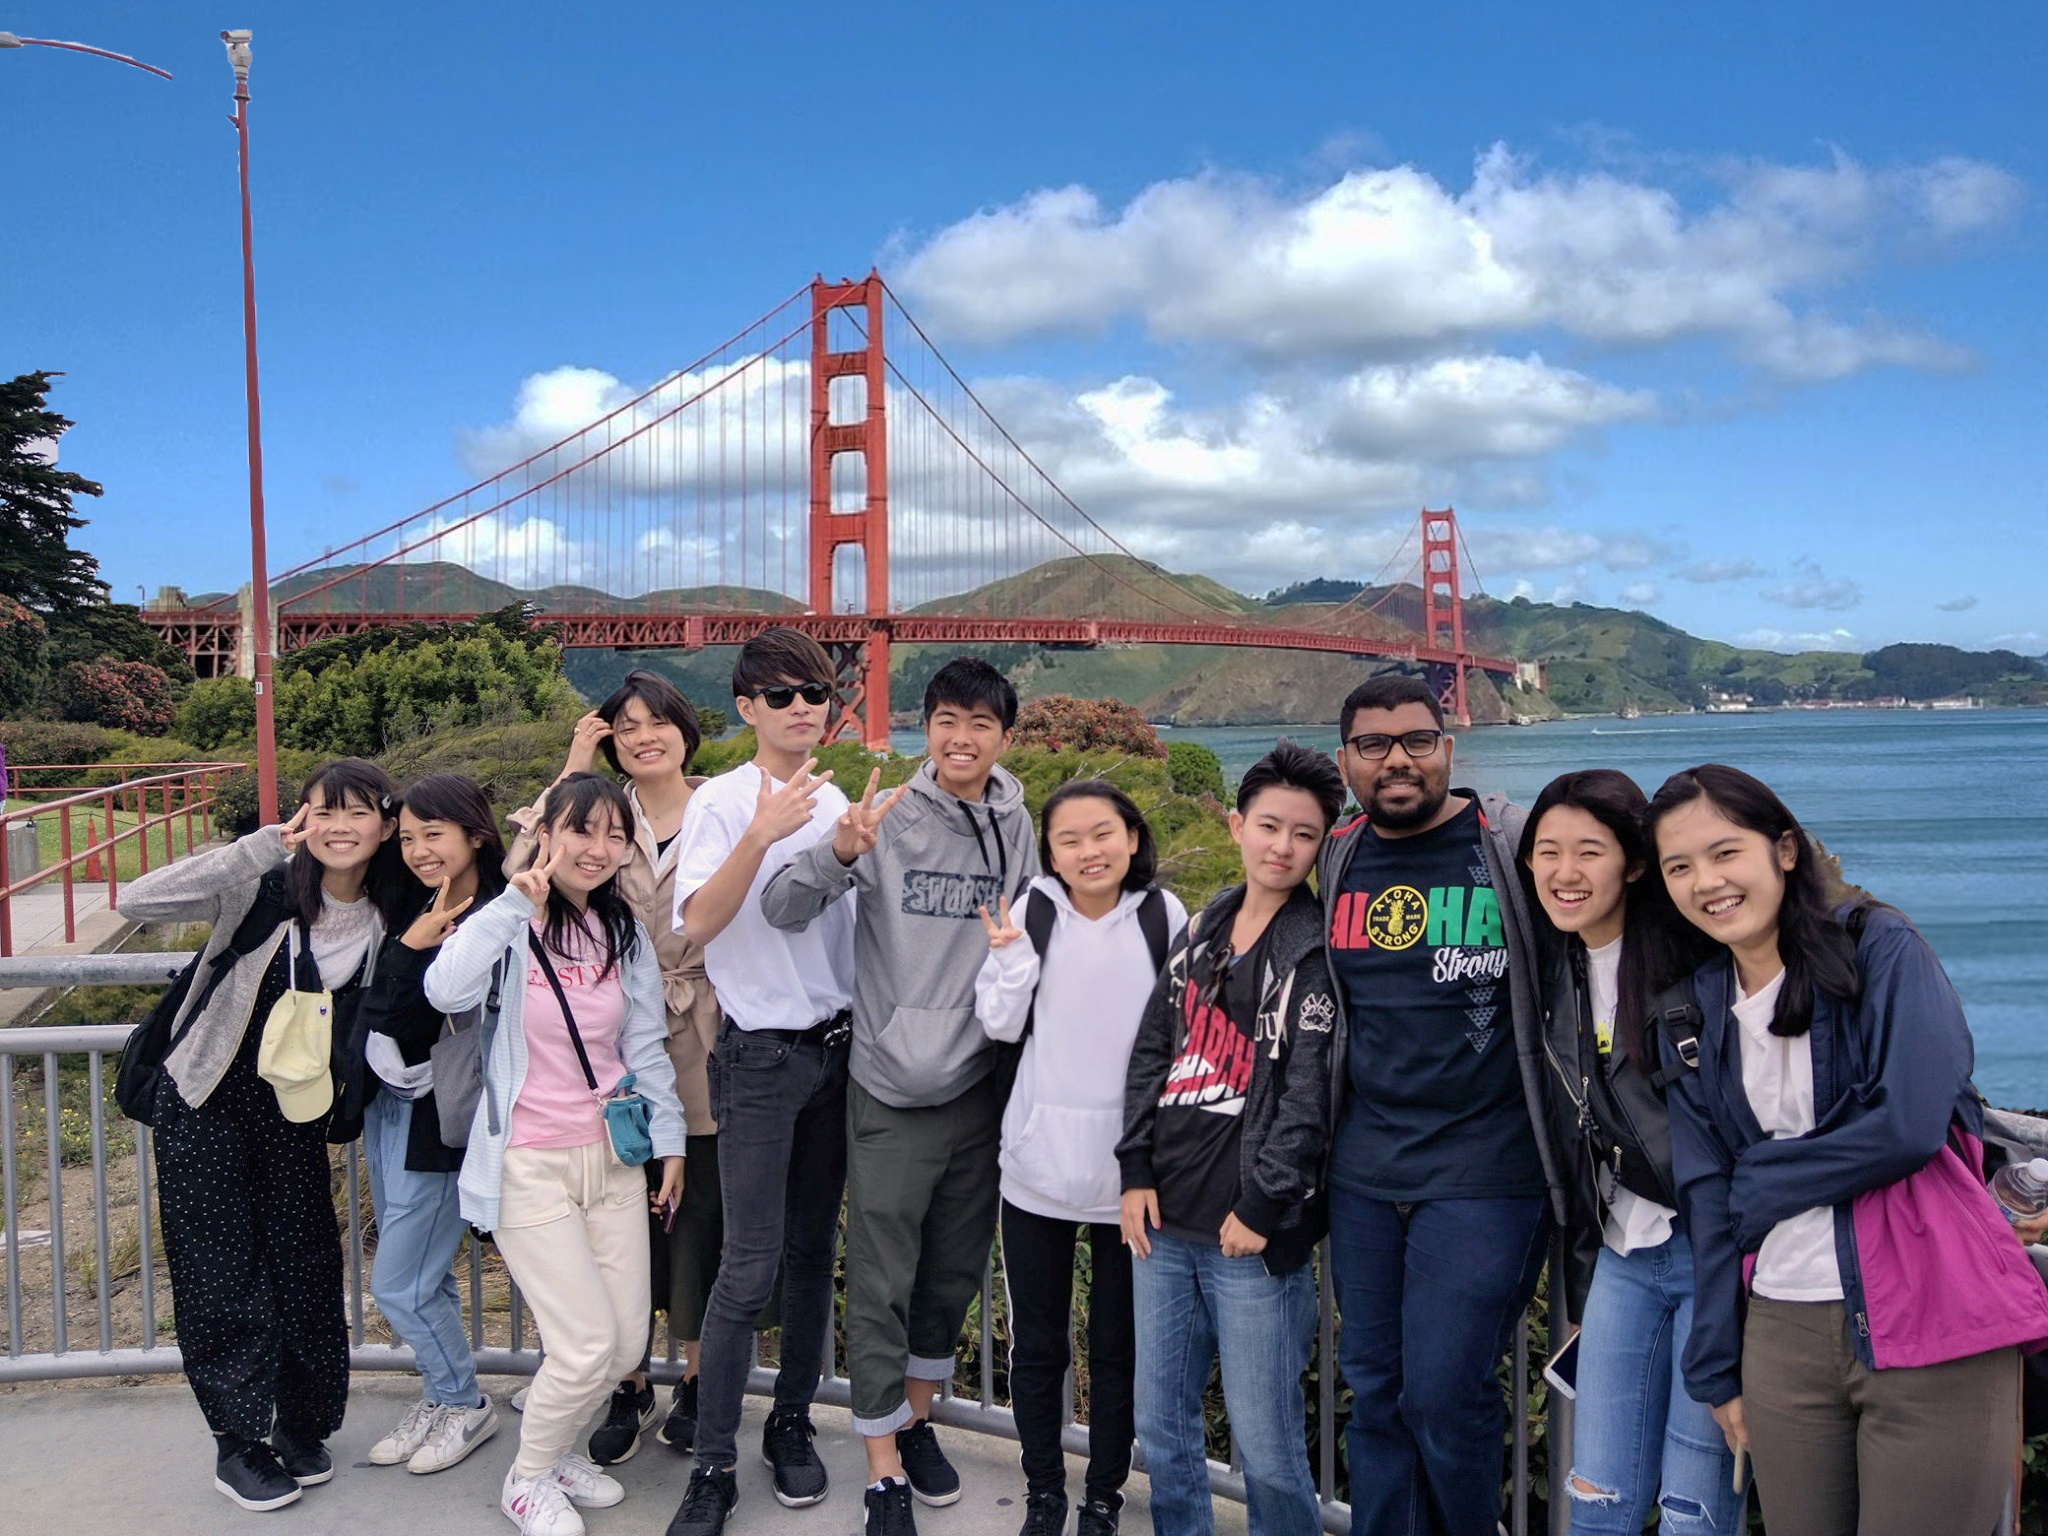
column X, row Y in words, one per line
column 1562, row 1370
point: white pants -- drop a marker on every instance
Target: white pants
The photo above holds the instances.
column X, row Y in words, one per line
column 572, row 1225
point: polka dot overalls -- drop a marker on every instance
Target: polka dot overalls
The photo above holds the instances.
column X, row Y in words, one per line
column 254, row 1249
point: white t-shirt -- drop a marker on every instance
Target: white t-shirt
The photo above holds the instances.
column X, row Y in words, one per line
column 765, row 978
column 1797, row 1261
column 1633, row 1222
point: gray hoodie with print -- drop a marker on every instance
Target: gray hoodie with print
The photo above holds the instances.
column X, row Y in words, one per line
column 918, row 941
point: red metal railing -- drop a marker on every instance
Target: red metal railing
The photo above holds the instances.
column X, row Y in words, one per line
column 156, row 800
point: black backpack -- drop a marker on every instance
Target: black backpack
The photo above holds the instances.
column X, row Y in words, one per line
column 1039, row 918
column 151, row 1042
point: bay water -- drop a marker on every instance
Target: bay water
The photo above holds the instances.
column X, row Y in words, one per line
column 1943, row 814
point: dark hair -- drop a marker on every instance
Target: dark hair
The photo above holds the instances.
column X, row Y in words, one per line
column 1818, row 951
column 1389, row 690
column 1657, row 945
column 1290, row 765
column 387, row 882
column 664, row 701
column 780, row 655
column 1144, row 863
column 456, row 799
column 572, row 802
column 968, row 682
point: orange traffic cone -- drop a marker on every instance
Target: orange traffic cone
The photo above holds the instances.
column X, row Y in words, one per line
column 92, row 851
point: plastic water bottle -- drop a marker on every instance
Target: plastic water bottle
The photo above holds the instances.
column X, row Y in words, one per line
column 2021, row 1189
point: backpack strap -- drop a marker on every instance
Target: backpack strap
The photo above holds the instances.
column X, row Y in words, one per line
column 1676, row 1015
column 1152, row 919
column 1039, row 918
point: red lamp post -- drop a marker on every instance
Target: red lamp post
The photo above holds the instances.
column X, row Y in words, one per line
column 259, row 589
column 9, row 40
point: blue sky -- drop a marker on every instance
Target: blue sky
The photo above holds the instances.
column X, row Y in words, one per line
column 1731, row 314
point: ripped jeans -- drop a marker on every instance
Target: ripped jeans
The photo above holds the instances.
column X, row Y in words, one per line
column 1637, row 1439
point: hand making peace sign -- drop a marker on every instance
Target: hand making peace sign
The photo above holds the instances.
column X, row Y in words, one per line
column 780, row 812
column 861, row 825
column 1000, row 935
column 293, row 833
column 532, row 881
column 435, row 924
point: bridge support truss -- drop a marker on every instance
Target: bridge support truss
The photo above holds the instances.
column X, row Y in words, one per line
column 1443, row 612
column 866, row 529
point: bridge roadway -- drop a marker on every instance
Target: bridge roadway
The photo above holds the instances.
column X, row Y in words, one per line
column 202, row 632
column 91, row 1459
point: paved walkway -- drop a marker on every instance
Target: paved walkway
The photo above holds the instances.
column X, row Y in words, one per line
column 129, row 1459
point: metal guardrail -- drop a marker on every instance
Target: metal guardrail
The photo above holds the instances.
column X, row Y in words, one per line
column 109, row 1355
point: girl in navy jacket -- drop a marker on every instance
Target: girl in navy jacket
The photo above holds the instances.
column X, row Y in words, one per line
column 1859, row 1299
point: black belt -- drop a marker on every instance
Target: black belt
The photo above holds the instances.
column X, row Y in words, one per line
column 836, row 1030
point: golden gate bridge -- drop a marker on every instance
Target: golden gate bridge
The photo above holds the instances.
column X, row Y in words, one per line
column 825, row 467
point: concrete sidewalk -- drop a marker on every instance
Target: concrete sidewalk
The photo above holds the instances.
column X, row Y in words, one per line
column 81, row 1461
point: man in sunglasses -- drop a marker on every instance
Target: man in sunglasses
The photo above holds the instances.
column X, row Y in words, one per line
column 777, row 1074
column 1439, row 1185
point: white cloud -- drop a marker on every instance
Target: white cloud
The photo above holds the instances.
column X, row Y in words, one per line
column 1810, row 587
column 1799, row 640
column 1708, row 572
column 1960, row 604
column 1386, row 259
column 2020, row 639
column 1640, row 592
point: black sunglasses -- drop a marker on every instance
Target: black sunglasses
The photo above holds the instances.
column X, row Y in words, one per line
column 781, row 696
column 1374, row 744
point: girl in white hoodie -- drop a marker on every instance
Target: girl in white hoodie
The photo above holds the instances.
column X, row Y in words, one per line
column 1106, row 930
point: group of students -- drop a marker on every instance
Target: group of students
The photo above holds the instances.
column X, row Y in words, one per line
column 1640, row 1020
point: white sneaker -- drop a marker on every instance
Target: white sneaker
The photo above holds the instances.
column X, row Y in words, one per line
column 456, row 1432
column 579, row 1478
column 409, row 1436
column 519, row 1400
column 538, row 1506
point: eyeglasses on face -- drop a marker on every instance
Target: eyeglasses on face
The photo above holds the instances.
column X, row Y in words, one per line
column 780, row 696
column 1373, row 745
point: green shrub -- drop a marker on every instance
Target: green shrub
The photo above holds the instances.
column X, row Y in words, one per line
column 30, row 742
column 235, row 809
column 1061, row 723
column 24, row 655
column 216, row 711
column 128, row 695
column 1194, row 769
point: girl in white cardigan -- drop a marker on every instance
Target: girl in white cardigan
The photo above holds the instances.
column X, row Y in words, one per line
column 540, row 1173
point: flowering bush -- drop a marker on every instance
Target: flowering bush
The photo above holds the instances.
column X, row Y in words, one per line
column 1062, row 723
column 128, row 695
column 24, row 644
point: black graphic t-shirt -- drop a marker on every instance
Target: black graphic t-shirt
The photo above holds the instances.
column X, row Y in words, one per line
column 1200, row 1126
column 1436, row 1109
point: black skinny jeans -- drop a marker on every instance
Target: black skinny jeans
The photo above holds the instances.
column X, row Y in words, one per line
column 1038, row 1268
column 781, row 1111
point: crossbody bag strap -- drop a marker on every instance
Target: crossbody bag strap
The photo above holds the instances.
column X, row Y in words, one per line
column 568, row 1017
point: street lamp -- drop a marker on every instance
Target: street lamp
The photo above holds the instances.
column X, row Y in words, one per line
column 259, row 589
column 9, row 40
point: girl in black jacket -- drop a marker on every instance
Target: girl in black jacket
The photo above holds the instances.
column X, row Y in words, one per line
column 1638, row 1439
column 448, row 837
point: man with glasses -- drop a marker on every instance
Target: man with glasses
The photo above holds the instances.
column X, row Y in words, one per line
column 1438, row 1182
column 778, row 1073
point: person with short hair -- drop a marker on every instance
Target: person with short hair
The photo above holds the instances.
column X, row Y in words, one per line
column 923, row 1115
column 1227, row 1105
column 777, row 1071
column 1440, row 1187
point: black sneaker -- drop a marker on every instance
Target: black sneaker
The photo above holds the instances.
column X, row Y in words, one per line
column 932, row 1477
column 251, row 1476
column 1098, row 1517
column 618, row 1437
column 786, row 1447
column 712, row 1493
column 305, row 1459
column 1045, row 1514
column 679, row 1430
column 888, row 1511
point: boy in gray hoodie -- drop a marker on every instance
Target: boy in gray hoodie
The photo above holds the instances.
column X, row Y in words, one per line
column 923, row 1113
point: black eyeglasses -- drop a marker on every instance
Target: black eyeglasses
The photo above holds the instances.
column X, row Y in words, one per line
column 781, row 696
column 1373, row 745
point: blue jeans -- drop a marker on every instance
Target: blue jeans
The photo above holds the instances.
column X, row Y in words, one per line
column 1632, row 1414
column 1427, row 1293
column 419, row 1227
column 1193, row 1304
